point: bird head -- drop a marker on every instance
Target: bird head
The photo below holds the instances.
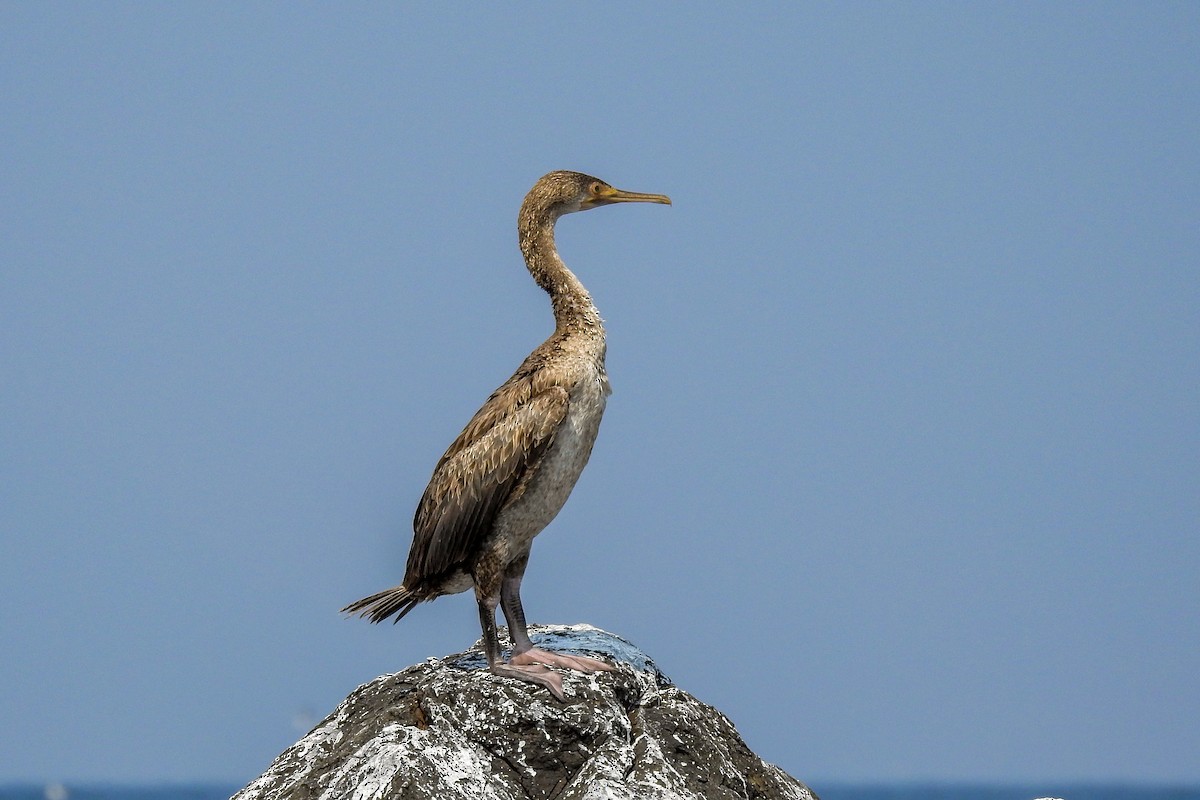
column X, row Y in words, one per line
column 564, row 192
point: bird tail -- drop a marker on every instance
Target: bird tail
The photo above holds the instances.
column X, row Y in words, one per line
column 381, row 605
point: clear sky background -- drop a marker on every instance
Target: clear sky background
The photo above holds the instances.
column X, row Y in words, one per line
column 902, row 467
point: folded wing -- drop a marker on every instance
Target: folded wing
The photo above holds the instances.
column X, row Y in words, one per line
column 487, row 467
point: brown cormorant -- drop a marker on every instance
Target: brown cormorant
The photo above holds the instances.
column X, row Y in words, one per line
column 511, row 469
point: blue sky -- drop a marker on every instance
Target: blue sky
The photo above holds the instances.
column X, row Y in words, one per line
column 901, row 467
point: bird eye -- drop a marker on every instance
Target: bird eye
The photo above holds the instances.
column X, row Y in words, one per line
column 596, row 188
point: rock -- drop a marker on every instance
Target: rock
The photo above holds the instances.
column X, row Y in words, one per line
column 450, row 730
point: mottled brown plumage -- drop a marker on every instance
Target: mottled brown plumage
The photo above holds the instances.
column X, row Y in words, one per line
column 511, row 469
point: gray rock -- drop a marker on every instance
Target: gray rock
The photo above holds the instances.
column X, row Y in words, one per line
column 448, row 729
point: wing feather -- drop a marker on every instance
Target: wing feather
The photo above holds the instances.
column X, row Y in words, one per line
column 478, row 475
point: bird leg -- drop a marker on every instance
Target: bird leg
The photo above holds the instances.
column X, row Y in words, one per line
column 529, row 672
column 524, row 653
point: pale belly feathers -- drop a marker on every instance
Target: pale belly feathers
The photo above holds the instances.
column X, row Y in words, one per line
column 560, row 468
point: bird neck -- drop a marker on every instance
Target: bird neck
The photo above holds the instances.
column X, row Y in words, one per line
column 574, row 310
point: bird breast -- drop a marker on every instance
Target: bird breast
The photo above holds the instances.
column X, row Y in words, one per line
column 562, row 464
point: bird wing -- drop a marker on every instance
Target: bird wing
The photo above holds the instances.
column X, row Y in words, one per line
column 487, row 466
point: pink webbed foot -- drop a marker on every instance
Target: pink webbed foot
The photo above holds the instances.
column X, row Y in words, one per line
column 533, row 673
column 533, row 666
column 536, row 655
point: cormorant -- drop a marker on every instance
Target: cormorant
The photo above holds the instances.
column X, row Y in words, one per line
column 511, row 469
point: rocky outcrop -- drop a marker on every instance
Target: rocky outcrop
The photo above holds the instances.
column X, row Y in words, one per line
column 450, row 730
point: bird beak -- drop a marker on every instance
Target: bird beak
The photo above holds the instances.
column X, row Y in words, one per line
column 611, row 195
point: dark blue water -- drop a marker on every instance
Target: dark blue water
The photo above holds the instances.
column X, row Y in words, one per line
column 69, row 791
column 829, row 791
column 1066, row 791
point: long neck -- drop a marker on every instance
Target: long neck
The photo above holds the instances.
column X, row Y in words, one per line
column 573, row 306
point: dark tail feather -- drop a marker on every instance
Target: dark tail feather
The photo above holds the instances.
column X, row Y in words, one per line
column 381, row 605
